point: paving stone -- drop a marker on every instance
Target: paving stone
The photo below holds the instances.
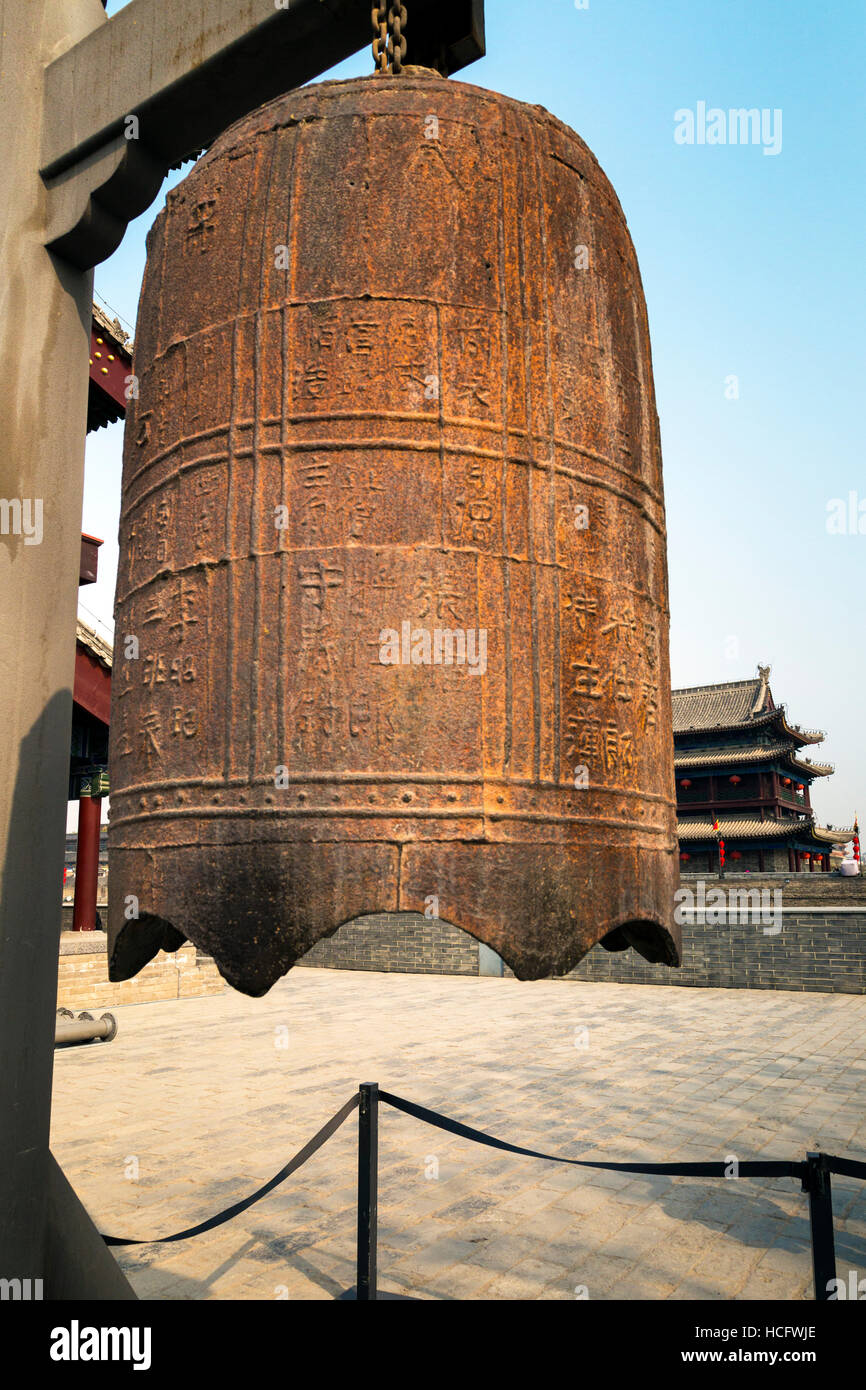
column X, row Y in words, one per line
column 527, row 1280
column 502, row 1252
column 439, row 1254
column 529, row 1202
column 196, row 1090
column 463, row 1281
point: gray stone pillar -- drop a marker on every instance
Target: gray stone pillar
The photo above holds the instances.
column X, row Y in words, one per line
column 44, row 343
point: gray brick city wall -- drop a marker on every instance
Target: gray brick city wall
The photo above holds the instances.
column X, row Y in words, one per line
column 814, row 951
column 408, row 943
column 821, row 946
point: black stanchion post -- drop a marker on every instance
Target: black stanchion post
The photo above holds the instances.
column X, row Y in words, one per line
column 368, row 1189
column 817, row 1183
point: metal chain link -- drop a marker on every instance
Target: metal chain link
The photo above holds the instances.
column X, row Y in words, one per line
column 397, row 17
column 380, row 42
column 389, row 45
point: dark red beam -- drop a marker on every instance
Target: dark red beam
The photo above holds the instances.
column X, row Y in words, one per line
column 89, row 562
column 110, row 365
column 92, row 688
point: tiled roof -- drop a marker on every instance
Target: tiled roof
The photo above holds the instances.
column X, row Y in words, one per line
column 752, row 828
column 93, row 643
column 727, row 757
column 735, row 705
column 112, row 329
column 718, row 706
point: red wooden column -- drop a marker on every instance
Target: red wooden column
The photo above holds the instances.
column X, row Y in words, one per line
column 87, row 863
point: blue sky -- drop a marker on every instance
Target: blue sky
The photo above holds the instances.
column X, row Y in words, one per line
column 752, row 267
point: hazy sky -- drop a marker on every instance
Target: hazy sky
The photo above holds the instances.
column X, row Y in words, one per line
column 752, row 264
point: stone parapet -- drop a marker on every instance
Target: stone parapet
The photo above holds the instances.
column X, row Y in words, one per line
column 83, row 981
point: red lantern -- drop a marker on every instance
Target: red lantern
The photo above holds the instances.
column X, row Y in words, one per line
column 736, row 854
column 787, row 781
column 685, row 783
column 735, row 780
column 799, row 786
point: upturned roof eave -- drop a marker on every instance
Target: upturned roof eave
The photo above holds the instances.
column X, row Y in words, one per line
column 732, row 757
column 743, row 828
column 775, row 717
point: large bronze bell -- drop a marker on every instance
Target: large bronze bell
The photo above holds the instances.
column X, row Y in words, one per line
column 391, row 622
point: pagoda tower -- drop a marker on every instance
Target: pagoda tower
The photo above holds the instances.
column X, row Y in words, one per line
column 739, row 764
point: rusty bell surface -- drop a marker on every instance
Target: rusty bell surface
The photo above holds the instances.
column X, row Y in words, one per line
column 392, row 619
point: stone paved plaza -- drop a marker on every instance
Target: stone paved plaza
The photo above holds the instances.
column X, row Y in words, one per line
column 205, row 1099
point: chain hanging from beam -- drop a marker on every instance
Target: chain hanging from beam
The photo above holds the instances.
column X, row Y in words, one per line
column 389, row 45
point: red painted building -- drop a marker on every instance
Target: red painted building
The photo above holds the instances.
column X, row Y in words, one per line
column 110, row 369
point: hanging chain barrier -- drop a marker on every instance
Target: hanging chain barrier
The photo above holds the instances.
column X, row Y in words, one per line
column 389, row 45
column 814, row 1174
